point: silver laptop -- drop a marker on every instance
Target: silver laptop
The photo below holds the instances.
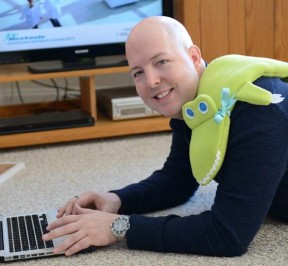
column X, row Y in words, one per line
column 21, row 236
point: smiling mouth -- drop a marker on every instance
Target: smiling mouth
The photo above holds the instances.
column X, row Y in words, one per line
column 163, row 94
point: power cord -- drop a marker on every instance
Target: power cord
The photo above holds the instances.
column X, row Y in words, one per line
column 19, row 92
column 67, row 91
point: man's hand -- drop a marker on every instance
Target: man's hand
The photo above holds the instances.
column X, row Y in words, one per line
column 108, row 202
column 84, row 229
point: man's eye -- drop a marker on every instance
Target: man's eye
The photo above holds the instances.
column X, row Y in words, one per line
column 162, row 62
column 137, row 74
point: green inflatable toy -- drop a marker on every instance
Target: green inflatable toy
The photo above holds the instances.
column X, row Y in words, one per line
column 226, row 80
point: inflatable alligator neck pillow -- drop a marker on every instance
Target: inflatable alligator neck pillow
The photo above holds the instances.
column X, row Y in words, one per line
column 225, row 81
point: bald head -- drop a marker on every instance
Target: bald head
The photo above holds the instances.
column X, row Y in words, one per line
column 159, row 26
column 156, row 27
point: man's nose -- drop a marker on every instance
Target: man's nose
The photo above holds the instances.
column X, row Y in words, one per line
column 152, row 79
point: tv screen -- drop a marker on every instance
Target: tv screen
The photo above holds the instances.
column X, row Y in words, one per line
column 75, row 32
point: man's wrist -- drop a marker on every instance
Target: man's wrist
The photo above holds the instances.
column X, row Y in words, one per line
column 116, row 201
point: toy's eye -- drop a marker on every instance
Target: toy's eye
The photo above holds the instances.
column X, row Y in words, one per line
column 190, row 113
column 203, row 107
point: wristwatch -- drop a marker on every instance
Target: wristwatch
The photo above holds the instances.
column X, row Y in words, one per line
column 120, row 226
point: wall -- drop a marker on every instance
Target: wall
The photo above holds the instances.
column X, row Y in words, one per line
column 250, row 27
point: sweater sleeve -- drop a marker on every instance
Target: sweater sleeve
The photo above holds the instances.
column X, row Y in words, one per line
column 255, row 163
column 168, row 187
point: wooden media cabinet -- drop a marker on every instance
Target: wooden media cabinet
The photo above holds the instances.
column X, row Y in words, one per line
column 103, row 128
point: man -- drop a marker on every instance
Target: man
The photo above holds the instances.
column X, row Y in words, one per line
column 32, row 13
column 253, row 180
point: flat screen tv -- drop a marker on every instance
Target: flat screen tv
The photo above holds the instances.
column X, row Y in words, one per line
column 71, row 34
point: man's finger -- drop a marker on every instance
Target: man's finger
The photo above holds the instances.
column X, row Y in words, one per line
column 61, row 228
column 69, row 242
column 80, row 245
column 79, row 210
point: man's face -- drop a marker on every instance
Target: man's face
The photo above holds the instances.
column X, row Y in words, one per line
column 164, row 72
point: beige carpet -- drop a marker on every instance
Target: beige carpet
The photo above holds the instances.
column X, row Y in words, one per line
column 56, row 172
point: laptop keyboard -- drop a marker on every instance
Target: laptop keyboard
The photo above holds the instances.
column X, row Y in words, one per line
column 25, row 232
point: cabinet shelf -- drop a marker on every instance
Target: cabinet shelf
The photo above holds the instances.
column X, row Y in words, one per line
column 103, row 127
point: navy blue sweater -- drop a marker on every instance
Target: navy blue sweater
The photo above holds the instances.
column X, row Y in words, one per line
column 252, row 182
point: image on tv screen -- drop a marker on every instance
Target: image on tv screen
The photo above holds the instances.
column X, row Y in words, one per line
column 61, row 23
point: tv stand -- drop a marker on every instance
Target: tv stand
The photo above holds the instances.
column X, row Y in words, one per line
column 103, row 128
column 87, row 63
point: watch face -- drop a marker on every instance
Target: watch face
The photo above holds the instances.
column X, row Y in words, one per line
column 120, row 226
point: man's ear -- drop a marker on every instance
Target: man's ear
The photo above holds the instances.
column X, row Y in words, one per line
column 195, row 55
